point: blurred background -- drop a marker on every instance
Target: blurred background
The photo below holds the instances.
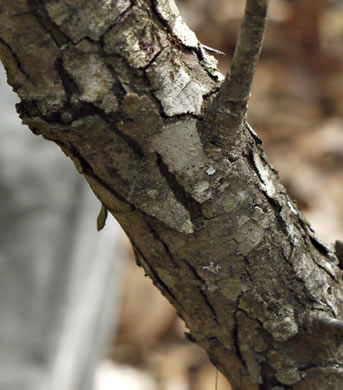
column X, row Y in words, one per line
column 72, row 301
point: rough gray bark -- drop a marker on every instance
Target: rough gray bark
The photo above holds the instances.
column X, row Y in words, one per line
column 127, row 92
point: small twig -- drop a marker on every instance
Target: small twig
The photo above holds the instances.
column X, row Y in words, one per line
column 237, row 84
column 212, row 50
column 226, row 115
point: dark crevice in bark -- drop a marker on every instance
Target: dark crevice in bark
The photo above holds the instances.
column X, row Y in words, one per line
column 85, row 167
column 70, row 86
column 119, row 19
column 251, row 160
column 235, row 338
column 179, row 192
column 190, row 337
column 137, row 257
column 209, row 304
column 47, row 24
column 339, row 253
column 258, row 141
column 159, row 239
column 268, row 373
column 156, row 277
column 117, row 88
column 260, row 323
column 312, row 242
column 201, row 58
column 88, row 171
column 202, row 293
column 164, row 24
column 154, row 58
column 17, row 60
column 246, row 260
column 138, row 75
column 60, row 119
column 235, row 341
column 263, row 157
column 321, row 247
column 86, row 38
column 207, row 97
column 247, row 269
column 137, row 80
column 28, row 108
column 111, row 120
column 216, row 216
column 84, row 109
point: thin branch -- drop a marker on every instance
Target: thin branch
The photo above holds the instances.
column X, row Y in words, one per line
column 237, row 84
column 226, row 115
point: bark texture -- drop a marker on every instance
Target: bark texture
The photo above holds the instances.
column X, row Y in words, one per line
column 128, row 93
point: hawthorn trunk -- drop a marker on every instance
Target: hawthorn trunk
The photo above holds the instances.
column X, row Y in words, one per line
column 128, row 93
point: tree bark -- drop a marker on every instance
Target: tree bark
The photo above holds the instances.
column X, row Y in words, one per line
column 128, row 93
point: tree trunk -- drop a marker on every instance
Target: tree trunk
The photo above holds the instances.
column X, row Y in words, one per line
column 128, row 93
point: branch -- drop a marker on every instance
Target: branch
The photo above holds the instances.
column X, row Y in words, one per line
column 237, row 85
column 227, row 113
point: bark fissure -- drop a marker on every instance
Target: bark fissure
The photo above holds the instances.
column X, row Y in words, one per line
column 203, row 284
column 164, row 23
column 117, row 21
column 16, row 59
column 84, row 168
column 47, row 24
column 181, row 195
column 70, row 86
column 235, row 335
column 259, row 322
column 165, row 246
column 153, row 60
column 112, row 122
column 165, row 289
